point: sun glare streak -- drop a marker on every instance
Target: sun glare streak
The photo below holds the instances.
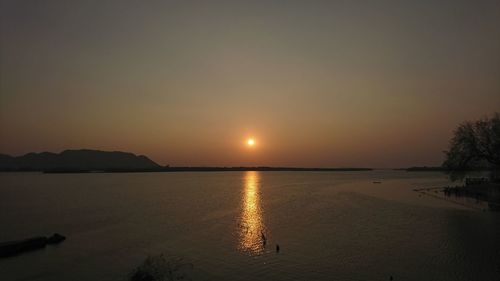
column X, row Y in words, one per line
column 251, row 226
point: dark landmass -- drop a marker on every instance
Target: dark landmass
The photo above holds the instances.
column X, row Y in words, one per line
column 77, row 161
column 95, row 161
column 212, row 169
column 13, row 248
column 484, row 194
column 291, row 169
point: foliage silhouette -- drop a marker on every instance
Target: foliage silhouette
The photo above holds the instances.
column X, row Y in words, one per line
column 159, row 268
column 475, row 145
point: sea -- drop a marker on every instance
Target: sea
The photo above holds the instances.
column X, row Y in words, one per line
column 251, row 225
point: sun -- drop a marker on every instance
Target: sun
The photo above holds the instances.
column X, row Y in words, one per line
column 250, row 142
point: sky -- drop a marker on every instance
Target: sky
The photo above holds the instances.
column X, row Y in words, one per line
column 317, row 83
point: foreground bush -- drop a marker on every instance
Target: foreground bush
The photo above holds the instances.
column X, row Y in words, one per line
column 159, row 268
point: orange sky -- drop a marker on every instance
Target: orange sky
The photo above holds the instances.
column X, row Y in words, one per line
column 317, row 83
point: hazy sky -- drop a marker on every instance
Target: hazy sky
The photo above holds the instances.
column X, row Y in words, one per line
column 317, row 83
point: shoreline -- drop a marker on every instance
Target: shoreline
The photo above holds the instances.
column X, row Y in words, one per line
column 209, row 169
column 482, row 197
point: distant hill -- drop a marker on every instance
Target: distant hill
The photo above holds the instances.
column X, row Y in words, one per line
column 86, row 160
column 77, row 160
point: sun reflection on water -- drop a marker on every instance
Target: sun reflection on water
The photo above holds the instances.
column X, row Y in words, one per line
column 251, row 226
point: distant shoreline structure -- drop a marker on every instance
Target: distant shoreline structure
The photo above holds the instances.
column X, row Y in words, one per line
column 440, row 169
column 211, row 169
column 424, row 169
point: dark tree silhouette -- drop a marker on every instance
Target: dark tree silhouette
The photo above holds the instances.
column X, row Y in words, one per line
column 475, row 145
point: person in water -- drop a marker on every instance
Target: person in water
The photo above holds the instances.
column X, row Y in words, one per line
column 277, row 248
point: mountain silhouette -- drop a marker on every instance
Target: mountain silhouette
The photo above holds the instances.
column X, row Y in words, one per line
column 77, row 160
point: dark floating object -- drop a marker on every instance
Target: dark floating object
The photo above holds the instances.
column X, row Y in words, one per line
column 56, row 238
column 377, row 182
column 277, row 248
column 12, row 248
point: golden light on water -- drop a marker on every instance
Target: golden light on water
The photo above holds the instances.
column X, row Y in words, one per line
column 251, row 226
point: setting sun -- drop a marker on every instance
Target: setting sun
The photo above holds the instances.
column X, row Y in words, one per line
column 250, row 142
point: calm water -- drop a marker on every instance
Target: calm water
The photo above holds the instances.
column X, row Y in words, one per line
column 329, row 225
